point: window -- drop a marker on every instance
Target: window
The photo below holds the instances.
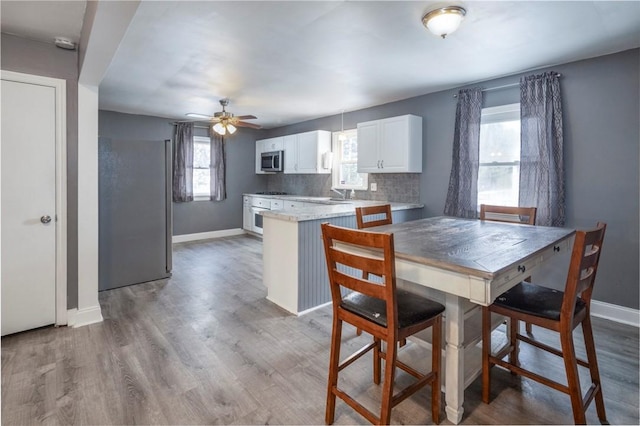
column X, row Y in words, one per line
column 499, row 169
column 345, row 162
column 201, row 169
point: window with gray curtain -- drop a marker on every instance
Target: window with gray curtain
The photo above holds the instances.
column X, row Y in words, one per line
column 217, row 172
column 183, row 163
column 541, row 153
column 462, row 194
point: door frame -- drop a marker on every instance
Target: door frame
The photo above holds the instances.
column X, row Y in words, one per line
column 60, row 87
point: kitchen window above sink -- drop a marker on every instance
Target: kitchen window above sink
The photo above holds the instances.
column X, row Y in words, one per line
column 345, row 162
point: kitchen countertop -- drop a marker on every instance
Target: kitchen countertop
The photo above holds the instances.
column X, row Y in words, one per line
column 326, row 207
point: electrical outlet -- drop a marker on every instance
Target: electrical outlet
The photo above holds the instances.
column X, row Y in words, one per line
column 374, row 186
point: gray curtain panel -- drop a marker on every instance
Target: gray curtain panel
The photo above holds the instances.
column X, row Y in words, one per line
column 217, row 169
column 541, row 152
column 462, row 196
column 183, row 163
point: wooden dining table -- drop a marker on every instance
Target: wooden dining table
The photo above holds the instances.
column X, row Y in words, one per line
column 469, row 263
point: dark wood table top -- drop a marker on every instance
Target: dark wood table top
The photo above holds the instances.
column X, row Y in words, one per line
column 478, row 248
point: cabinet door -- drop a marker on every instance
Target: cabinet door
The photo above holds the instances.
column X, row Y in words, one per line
column 307, row 152
column 290, row 154
column 259, row 146
column 394, row 145
column 368, row 160
column 247, row 218
column 292, row 205
column 273, row 144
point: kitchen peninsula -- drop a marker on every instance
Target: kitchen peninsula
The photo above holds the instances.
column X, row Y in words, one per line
column 294, row 269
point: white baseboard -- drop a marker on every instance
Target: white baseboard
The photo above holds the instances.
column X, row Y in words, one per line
column 615, row 313
column 207, row 235
column 80, row 317
column 306, row 311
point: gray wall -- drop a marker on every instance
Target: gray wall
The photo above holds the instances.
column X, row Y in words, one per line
column 601, row 128
column 44, row 59
column 601, row 109
column 196, row 216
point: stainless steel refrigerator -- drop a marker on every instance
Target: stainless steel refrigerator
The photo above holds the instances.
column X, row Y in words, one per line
column 134, row 212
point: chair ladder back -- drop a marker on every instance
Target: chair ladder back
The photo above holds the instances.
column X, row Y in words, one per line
column 503, row 212
column 363, row 212
column 382, row 266
column 585, row 258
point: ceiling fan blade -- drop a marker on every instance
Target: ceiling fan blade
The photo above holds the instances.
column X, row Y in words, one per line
column 250, row 125
column 245, row 117
column 200, row 116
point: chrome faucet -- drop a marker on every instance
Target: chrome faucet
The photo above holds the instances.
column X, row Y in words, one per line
column 343, row 195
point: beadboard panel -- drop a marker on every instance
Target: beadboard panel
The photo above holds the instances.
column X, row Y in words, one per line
column 313, row 280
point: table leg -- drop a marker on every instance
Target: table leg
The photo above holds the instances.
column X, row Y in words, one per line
column 454, row 358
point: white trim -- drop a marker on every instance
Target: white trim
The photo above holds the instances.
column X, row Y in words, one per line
column 85, row 316
column 500, row 113
column 87, row 200
column 207, row 235
column 60, row 87
column 313, row 309
column 615, row 313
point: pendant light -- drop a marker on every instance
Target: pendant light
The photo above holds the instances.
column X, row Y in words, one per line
column 342, row 137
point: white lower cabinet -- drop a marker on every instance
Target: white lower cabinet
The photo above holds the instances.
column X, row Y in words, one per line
column 390, row 145
column 247, row 215
column 291, row 205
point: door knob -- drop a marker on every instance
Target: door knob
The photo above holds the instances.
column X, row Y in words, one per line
column 45, row 219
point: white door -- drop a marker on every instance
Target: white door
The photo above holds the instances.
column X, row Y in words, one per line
column 28, row 235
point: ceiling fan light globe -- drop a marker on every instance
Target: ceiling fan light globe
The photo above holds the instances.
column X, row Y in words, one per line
column 231, row 129
column 219, row 129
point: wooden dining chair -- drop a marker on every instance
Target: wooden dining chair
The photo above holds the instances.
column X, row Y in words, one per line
column 558, row 311
column 380, row 309
column 369, row 216
column 509, row 214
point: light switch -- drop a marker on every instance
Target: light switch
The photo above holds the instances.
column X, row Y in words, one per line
column 374, row 186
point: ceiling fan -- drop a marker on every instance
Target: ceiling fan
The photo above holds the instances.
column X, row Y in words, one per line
column 224, row 122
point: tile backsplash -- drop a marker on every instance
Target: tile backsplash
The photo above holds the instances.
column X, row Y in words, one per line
column 397, row 187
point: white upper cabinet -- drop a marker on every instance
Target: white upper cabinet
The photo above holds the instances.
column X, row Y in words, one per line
column 390, row 145
column 303, row 152
column 259, row 150
column 273, row 144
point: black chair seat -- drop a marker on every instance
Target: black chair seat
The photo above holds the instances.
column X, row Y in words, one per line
column 535, row 300
column 412, row 309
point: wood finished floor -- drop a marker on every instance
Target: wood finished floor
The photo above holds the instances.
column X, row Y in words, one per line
column 206, row 347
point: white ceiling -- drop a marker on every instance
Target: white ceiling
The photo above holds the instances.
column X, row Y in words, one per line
column 43, row 20
column 291, row 61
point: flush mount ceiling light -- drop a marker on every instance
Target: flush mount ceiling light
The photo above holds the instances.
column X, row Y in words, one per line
column 445, row 20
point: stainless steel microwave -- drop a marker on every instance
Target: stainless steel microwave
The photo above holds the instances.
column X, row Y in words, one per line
column 272, row 161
